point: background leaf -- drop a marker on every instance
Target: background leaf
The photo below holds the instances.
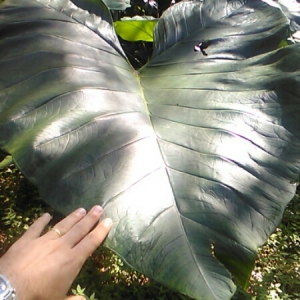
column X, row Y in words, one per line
column 136, row 29
column 8, row 160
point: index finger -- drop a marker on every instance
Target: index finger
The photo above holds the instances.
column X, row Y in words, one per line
column 93, row 240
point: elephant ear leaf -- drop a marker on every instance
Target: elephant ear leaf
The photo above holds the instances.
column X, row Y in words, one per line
column 98, row 6
column 193, row 157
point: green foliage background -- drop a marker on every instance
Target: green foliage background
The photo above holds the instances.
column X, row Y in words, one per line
column 104, row 276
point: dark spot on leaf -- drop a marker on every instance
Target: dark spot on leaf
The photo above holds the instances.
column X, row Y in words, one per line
column 201, row 46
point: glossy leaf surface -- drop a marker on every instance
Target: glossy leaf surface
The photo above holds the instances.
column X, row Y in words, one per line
column 96, row 6
column 194, row 157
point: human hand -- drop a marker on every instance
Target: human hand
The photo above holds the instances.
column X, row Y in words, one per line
column 44, row 267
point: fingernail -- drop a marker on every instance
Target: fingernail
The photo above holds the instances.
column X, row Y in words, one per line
column 107, row 222
column 81, row 211
column 47, row 215
column 97, row 209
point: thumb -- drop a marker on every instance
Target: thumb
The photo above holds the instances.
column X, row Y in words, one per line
column 74, row 298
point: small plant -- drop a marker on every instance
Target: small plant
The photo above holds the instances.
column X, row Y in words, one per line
column 81, row 292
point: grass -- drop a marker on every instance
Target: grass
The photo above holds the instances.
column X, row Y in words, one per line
column 104, row 276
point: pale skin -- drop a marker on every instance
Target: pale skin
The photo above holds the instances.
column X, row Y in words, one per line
column 43, row 267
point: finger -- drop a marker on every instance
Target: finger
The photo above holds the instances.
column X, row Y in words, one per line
column 66, row 224
column 93, row 240
column 35, row 230
column 82, row 228
column 75, row 298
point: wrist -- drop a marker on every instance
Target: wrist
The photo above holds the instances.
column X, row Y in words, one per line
column 7, row 292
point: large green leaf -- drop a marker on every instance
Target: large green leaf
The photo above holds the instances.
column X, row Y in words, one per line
column 194, row 157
